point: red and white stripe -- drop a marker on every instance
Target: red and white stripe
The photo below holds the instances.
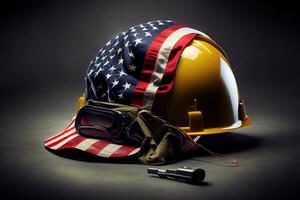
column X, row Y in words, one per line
column 71, row 139
column 160, row 63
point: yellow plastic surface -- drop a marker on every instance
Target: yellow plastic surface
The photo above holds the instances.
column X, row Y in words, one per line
column 204, row 73
column 80, row 102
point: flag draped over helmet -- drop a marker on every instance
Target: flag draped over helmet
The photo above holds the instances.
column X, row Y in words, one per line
column 138, row 65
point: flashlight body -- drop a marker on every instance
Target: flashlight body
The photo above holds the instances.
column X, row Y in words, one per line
column 180, row 174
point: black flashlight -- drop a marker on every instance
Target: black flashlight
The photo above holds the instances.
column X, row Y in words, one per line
column 185, row 174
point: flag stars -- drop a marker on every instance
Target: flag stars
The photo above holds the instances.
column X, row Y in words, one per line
column 107, row 76
column 131, row 54
column 121, row 73
column 133, row 29
column 135, row 34
column 111, row 50
column 132, row 67
column 90, row 73
column 150, row 23
column 108, row 43
column 126, row 86
column 112, row 68
column 106, row 63
column 160, row 23
column 127, row 44
column 103, row 58
column 97, row 65
column 103, row 95
column 99, row 70
column 154, row 28
column 138, row 41
column 148, row 34
column 119, row 50
column 121, row 61
column 120, row 96
column 115, row 82
column 117, row 42
column 126, row 36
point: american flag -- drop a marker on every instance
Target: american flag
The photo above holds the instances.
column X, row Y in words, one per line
column 136, row 67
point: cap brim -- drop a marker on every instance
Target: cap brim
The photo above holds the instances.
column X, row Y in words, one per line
column 71, row 139
column 210, row 131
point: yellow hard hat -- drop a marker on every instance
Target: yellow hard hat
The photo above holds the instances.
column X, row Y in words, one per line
column 177, row 72
column 204, row 98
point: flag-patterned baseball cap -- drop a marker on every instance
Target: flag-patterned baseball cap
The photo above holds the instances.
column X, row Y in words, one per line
column 136, row 67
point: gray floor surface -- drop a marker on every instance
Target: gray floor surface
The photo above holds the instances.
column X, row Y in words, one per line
column 268, row 152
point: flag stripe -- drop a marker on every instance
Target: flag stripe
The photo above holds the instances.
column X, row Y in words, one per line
column 69, row 127
column 59, row 136
column 85, row 144
column 97, row 147
column 136, row 150
column 73, row 143
column 122, row 150
column 109, row 150
column 175, row 57
column 149, row 63
column 61, row 143
column 161, row 63
column 154, row 50
column 168, row 76
column 50, row 144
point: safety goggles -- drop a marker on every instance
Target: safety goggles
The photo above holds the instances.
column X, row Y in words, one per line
column 104, row 123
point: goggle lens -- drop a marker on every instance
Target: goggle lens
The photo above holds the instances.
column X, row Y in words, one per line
column 105, row 120
column 97, row 122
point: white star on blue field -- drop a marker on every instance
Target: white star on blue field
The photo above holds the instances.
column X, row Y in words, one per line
column 116, row 68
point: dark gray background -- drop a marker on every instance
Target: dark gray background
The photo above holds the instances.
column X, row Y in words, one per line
column 45, row 47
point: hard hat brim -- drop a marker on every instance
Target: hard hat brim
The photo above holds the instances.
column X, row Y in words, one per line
column 210, row 131
column 69, row 138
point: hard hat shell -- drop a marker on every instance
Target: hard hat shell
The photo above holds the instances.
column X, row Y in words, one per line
column 175, row 71
column 204, row 98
